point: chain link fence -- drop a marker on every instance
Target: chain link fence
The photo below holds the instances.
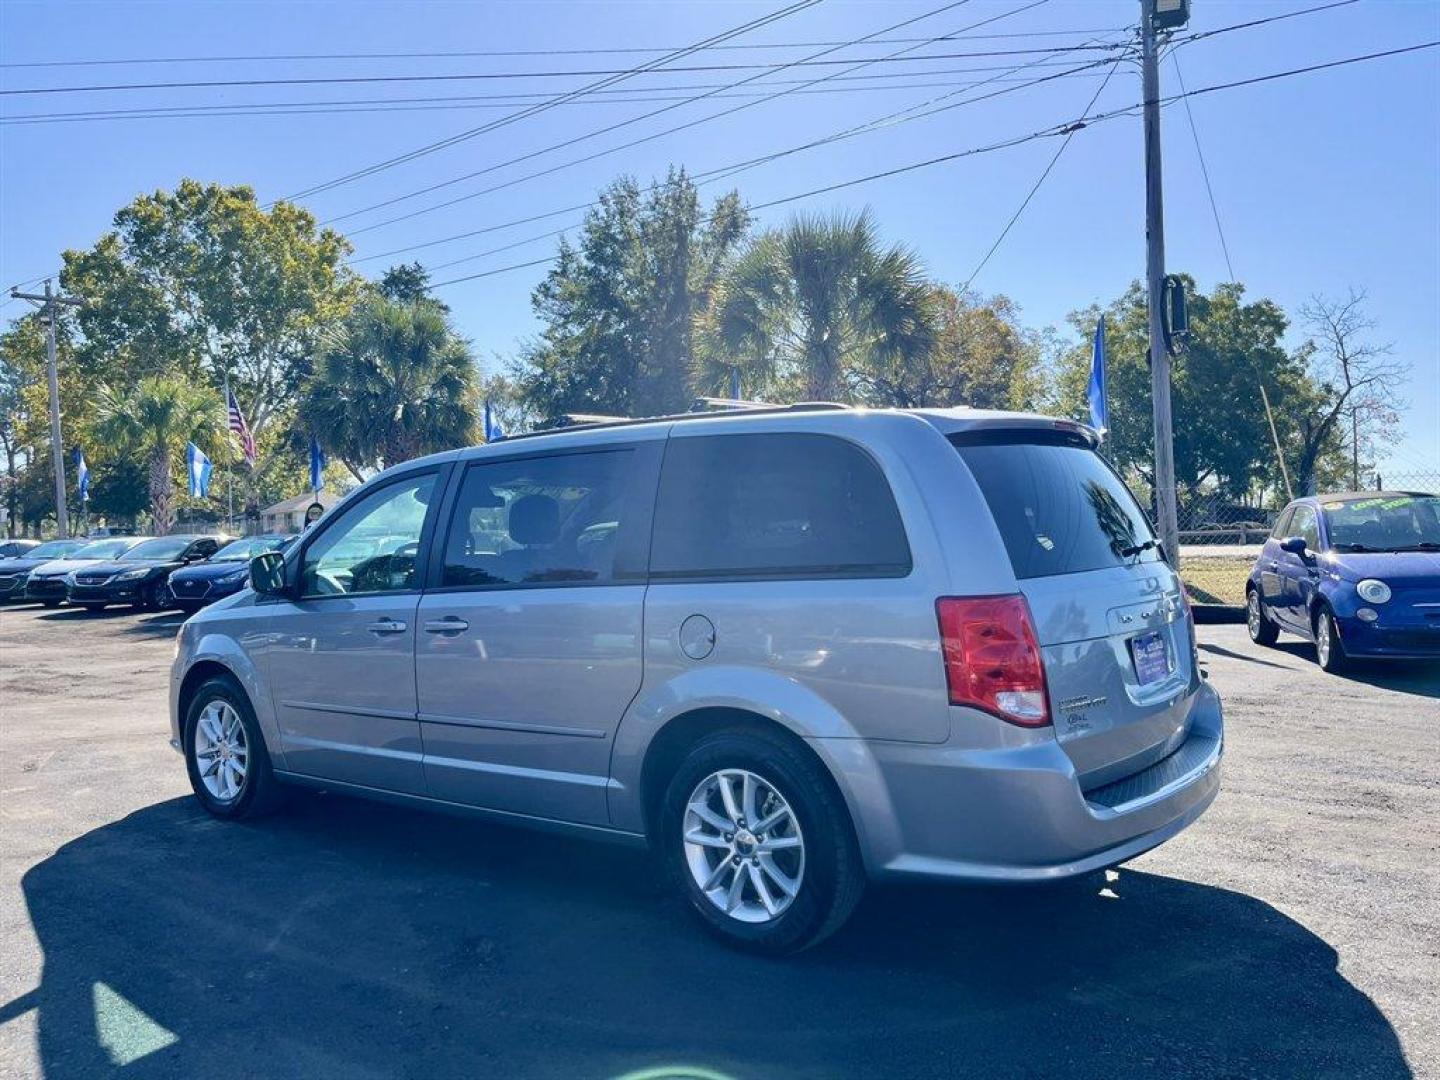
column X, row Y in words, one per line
column 1428, row 482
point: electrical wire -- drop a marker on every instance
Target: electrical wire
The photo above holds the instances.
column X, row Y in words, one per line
column 1057, row 129
column 468, row 76
column 906, row 80
column 719, row 173
column 592, row 51
column 1204, row 169
column 534, row 110
column 584, row 136
column 1040, row 180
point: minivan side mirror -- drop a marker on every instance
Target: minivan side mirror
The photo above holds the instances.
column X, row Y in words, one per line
column 267, row 574
column 1293, row 544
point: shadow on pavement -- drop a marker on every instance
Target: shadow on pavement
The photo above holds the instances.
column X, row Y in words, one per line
column 350, row 939
column 1421, row 677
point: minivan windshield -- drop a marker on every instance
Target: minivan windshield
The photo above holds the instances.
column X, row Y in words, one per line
column 162, row 549
column 1059, row 506
column 110, row 548
column 246, row 548
column 1384, row 523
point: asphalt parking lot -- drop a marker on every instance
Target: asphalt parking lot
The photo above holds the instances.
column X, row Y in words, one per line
column 1295, row 931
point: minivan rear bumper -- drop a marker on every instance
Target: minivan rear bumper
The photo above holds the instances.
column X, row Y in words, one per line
column 1019, row 815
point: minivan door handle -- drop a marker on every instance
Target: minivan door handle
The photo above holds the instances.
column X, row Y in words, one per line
column 450, row 624
column 387, row 626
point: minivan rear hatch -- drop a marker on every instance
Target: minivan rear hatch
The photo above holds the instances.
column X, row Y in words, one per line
column 1108, row 610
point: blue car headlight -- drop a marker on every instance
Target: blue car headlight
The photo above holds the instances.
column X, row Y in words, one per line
column 1373, row 591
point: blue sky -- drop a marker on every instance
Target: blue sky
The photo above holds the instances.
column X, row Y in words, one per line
column 1323, row 182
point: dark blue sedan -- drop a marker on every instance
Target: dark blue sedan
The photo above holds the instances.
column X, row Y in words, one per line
column 1357, row 574
column 225, row 572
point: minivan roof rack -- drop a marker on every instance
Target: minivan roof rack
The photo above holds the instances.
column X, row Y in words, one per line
column 590, row 421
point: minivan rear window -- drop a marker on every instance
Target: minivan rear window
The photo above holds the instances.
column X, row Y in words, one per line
column 1059, row 506
column 772, row 506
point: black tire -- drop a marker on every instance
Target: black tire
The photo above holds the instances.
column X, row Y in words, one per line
column 152, row 596
column 1330, row 654
column 834, row 876
column 189, row 609
column 260, row 793
column 92, row 608
column 1262, row 630
column 50, row 603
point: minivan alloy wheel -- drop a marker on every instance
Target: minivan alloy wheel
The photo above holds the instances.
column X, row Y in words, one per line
column 743, row 845
column 220, row 750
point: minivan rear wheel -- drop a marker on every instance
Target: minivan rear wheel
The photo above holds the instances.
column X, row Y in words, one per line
column 225, row 753
column 759, row 842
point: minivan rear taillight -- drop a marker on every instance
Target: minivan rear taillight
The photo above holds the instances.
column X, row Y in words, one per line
column 992, row 657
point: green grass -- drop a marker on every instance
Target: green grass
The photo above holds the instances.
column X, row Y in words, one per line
column 1219, row 580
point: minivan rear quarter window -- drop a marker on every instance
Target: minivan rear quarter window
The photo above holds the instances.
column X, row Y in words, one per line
column 1059, row 506
column 774, row 506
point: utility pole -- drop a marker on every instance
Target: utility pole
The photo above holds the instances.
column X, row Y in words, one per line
column 49, row 305
column 1155, row 288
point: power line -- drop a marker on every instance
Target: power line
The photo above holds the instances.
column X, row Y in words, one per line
column 584, row 136
column 468, row 76
column 491, row 53
column 909, row 80
column 1204, row 169
column 1203, row 34
column 1069, row 134
column 1057, row 129
column 740, row 166
column 723, row 172
column 535, row 110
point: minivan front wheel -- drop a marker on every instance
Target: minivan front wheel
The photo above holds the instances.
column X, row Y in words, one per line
column 760, row 843
column 225, row 753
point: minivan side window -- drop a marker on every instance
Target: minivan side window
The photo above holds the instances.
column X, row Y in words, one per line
column 564, row 519
column 774, row 506
column 372, row 547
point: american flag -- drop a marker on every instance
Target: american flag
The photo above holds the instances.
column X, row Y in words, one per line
column 240, row 428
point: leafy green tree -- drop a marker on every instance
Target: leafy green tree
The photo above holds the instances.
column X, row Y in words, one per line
column 153, row 420
column 393, row 382
column 980, row 356
column 816, row 309
column 620, row 305
column 202, row 282
column 407, row 283
column 1222, row 438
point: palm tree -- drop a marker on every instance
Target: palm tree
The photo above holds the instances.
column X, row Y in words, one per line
column 806, row 307
column 155, row 418
column 394, row 381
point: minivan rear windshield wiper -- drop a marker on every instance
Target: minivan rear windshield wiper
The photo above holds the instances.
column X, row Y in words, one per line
column 1144, row 545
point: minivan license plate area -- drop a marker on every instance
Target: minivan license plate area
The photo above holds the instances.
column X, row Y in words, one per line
column 1151, row 658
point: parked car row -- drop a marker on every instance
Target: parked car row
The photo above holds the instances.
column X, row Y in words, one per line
column 152, row 573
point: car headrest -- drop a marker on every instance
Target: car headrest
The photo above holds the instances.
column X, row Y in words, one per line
column 534, row 519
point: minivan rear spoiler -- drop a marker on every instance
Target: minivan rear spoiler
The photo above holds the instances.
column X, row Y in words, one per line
column 1023, row 429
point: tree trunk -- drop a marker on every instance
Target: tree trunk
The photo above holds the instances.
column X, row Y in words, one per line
column 162, row 493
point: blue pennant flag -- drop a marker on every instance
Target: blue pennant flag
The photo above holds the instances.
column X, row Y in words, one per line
column 199, row 467
column 1095, row 392
column 82, row 476
column 317, row 465
column 493, row 431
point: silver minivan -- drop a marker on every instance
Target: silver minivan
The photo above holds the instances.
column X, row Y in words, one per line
column 791, row 649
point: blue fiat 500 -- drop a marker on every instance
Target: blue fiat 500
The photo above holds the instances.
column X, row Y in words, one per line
column 1357, row 574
